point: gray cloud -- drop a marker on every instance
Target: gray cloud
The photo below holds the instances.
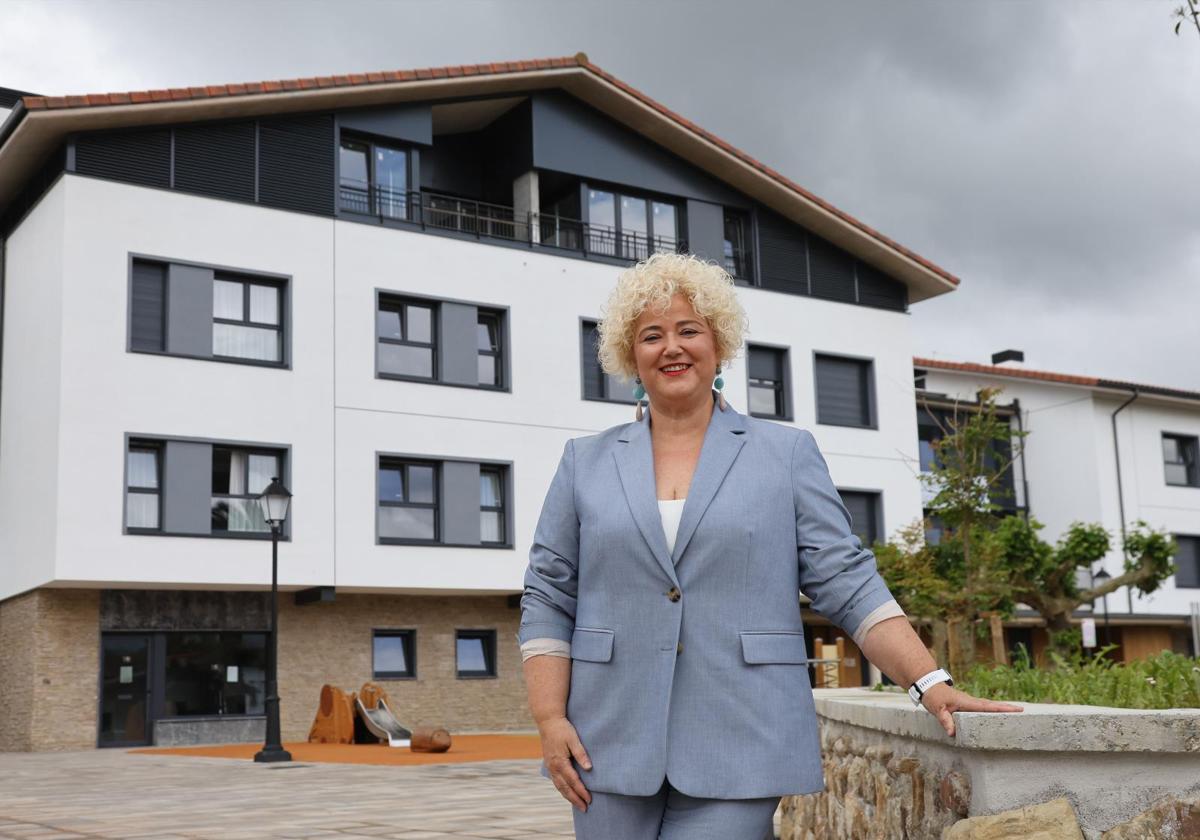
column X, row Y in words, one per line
column 1041, row 151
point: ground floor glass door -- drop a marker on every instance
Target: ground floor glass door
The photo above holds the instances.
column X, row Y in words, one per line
column 124, row 690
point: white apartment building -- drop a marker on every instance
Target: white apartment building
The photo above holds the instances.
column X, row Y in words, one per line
column 1098, row 451
column 381, row 289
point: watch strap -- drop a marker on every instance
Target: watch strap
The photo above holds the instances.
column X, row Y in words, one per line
column 918, row 689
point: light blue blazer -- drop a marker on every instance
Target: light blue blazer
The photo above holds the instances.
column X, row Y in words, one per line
column 691, row 664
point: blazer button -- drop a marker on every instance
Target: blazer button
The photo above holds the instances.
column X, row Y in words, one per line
column 679, row 648
column 673, row 594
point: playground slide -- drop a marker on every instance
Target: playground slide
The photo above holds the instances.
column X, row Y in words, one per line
column 383, row 724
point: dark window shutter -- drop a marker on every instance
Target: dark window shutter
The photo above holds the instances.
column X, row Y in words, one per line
column 766, row 363
column 862, row 507
column 843, row 391
column 147, row 312
column 783, row 263
column 295, row 163
column 832, row 271
column 216, row 159
column 1187, row 558
column 136, row 157
column 877, row 289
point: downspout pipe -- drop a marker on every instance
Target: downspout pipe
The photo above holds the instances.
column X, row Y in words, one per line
column 1120, row 492
column 1024, row 473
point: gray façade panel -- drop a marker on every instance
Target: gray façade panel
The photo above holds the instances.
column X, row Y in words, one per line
column 706, row 230
column 412, row 123
column 457, row 344
column 460, row 497
column 189, row 310
column 187, row 487
column 571, row 137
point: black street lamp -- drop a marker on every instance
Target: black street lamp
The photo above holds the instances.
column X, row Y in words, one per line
column 275, row 501
column 1101, row 577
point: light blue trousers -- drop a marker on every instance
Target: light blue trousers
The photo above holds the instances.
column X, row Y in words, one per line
column 671, row 815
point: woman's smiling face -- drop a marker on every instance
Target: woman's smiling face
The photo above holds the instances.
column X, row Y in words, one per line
column 675, row 353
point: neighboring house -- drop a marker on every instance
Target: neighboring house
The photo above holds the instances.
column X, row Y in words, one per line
column 382, row 289
column 1097, row 450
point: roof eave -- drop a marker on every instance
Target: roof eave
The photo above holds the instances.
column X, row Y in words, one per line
column 34, row 134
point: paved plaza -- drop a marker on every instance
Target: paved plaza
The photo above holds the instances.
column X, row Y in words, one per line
column 116, row 794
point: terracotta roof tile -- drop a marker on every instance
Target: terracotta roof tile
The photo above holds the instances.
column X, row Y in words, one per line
column 579, row 59
column 1014, row 372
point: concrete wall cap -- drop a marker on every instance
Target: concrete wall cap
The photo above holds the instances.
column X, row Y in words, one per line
column 1042, row 727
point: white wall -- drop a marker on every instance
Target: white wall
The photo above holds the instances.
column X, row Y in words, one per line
column 108, row 392
column 336, row 426
column 29, row 396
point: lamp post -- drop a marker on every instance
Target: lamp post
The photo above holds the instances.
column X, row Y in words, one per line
column 1101, row 577
column 275, row 501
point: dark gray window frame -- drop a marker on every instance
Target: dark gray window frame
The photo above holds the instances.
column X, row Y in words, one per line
column 282, row 281
column 583, row 357
column 1196, row 538
column 619, row 191
column 507, row 484
column 499, row 353
column 436, row 505
column 157, row 446
column 1193, row 443
column 504, row 319
column 490, row 654
column 247, row 281
column 872, row 403
column 501, row 509
column 786, row 385
column 270, row 451
column 410, row 652
column 372, row 142
column 877, row 505
column 284, row 449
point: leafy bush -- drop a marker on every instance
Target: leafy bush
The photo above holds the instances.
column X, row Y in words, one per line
column 1166, row 681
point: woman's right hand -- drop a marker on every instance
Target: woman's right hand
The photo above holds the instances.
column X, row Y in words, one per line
column 560, row 742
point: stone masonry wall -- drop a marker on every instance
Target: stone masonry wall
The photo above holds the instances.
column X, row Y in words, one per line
column 49, row 665
column 332, row 643
column 873, row 790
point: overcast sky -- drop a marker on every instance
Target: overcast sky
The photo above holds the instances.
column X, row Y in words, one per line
column 1045, row 152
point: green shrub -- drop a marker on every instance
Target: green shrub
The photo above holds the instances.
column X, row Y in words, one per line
column 1166, row 681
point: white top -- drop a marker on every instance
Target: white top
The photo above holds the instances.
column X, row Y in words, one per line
column 671, row 510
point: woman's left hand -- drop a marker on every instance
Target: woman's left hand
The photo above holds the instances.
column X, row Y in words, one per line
column 943, row 701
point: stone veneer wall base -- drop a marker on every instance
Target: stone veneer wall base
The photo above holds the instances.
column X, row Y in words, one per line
column 891, row 771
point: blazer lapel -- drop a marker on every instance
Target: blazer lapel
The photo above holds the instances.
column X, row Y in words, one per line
column 635, row 464
column 634, row 456
column 723, row 441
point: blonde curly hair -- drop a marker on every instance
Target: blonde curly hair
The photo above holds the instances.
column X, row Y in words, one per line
column 651, row 284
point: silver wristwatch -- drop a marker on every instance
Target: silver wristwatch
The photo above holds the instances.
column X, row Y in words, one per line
column 926, row 682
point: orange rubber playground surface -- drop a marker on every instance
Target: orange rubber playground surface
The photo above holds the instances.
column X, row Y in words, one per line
column 464, row 748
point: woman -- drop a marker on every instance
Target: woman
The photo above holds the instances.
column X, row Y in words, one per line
column 661, row 631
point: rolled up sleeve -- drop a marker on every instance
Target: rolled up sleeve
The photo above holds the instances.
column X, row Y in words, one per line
column 552, row 577
column 836, row 572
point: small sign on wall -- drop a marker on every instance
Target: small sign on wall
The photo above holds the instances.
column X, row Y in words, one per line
column 1089, row 632
column 126, row 676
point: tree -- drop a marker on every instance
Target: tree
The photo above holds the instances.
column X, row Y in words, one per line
column 1043, row 576
column 951, row 581
column 984, row 561
column 1183, row 13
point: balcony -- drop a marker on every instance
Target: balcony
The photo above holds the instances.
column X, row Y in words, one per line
column 496, row 222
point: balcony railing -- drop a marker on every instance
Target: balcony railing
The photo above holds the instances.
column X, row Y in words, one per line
column 495, row 221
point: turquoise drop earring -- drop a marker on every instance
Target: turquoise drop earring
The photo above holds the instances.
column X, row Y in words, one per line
column 639, row 393
column 719, row 384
